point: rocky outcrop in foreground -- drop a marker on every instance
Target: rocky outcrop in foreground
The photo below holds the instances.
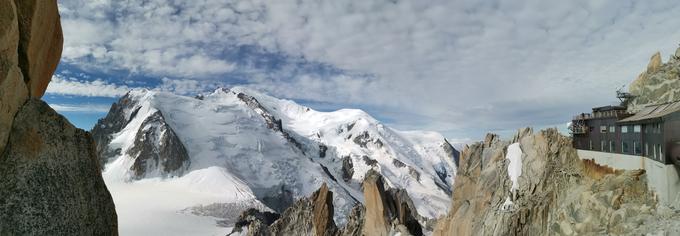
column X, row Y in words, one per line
column 387, row 212
column 555, row 194
column 50, row 180
column 30, row 48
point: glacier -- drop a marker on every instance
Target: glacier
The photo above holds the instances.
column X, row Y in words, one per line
column 247, row 149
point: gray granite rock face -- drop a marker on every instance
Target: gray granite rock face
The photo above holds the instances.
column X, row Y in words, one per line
column 157, row 147
column 557, row 193
column 50, row 180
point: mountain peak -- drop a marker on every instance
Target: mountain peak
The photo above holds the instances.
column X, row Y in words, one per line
column 275, row 148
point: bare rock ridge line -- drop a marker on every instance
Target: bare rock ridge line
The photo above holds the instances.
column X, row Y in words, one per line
column 50, row 179
column 272, row 122
column 388, row 212
column 658, row 84
column 557, row 193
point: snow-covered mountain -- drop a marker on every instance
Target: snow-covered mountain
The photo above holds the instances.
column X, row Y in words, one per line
column 237, row 148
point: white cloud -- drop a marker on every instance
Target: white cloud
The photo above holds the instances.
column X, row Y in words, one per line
column 459, row 65
column 61, row 85
column 82, row 108
column 186, row 86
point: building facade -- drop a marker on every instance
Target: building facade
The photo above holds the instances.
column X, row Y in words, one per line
column 653, row 132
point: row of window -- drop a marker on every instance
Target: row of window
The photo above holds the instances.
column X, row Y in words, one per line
column 652, row 128
column 656, row 151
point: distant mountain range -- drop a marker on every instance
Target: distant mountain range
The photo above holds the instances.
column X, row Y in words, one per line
column 246, row 149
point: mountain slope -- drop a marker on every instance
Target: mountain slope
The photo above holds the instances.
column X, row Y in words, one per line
column 270, row 151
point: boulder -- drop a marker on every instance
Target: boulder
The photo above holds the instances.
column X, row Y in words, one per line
column 50, row 180
column 40, row 43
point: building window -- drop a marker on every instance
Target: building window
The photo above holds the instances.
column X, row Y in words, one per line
column 612, row 146
column 602, row 146
column 636, row 148
column 603, row 129
column 647, row 149
column 654, row 151
column 612, row 129
column 637, row 128
column 590, row 144
column 624, row 129
column 624, row 147
column 661, row 157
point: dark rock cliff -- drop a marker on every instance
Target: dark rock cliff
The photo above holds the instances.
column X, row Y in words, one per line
column 157, row 147
column 50, row 182
column 114, row 122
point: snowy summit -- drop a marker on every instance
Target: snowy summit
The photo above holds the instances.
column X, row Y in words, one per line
column 234, row 149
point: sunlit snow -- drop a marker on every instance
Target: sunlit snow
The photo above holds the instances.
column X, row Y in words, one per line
column 515, row 167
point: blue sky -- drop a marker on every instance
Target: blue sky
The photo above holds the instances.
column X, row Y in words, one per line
column 463, row 68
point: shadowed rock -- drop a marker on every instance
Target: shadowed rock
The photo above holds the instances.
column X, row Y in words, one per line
column 50, row 180
column 308, row 216
column 347, row 168
column 157, row 147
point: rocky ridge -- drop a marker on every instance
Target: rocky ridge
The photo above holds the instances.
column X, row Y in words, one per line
column 50, row 183
column 659, row 83
column 386, row 212
column 557, row 193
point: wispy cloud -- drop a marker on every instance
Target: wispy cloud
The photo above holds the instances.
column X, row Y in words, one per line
column 186, row 86
column 462, row 66
column 62, row 85
column 82, row 108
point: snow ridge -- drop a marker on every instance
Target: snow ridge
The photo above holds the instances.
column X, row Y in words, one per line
column 245, row 146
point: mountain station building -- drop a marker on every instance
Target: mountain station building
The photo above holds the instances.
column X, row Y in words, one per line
column 648, row 139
